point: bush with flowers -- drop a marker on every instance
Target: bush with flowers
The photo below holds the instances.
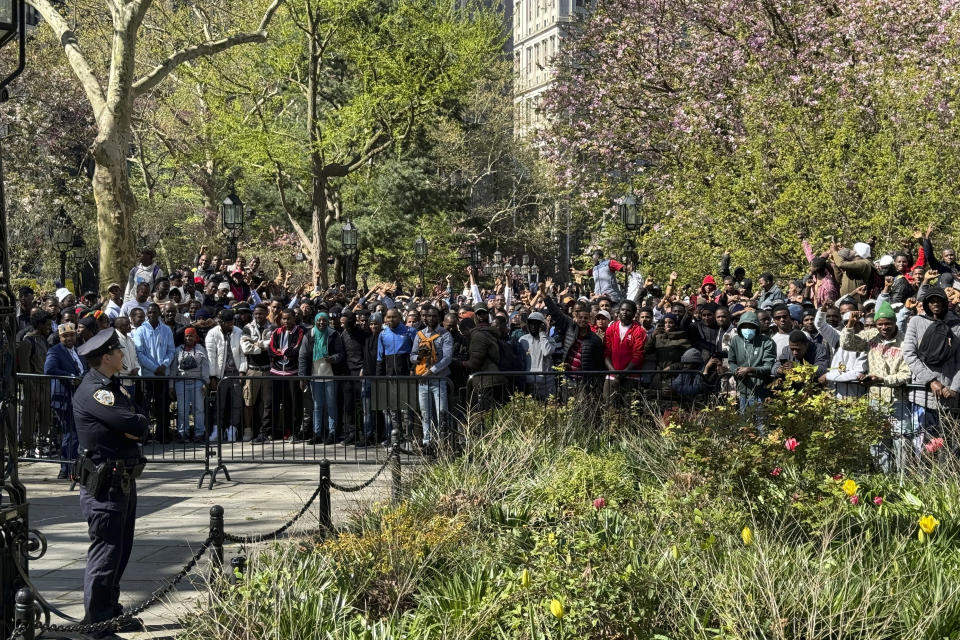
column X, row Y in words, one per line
column 547, row 527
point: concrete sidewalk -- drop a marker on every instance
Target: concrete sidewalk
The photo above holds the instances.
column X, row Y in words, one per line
column 172, row 521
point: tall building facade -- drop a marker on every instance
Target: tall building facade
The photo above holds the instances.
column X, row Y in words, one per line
column 538, row 31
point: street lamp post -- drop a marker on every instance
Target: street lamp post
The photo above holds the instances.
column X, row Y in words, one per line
column 231, row 216
column 421, row 250
column 348, row 238
column 476, row 259
column 496, row 268
column 63, row 241
column 79, row 246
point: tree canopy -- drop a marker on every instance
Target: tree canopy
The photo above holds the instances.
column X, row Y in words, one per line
column 744, row 124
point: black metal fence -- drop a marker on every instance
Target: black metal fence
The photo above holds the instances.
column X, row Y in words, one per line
column 348, row 419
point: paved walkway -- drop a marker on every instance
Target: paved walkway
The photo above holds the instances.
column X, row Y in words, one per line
column 172, row 520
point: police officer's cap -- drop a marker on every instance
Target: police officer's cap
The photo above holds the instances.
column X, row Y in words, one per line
column 100, row 344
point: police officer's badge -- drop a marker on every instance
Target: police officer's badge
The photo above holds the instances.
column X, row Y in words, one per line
column 104, row 397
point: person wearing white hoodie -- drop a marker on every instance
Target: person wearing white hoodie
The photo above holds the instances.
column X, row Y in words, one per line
column 847, row 365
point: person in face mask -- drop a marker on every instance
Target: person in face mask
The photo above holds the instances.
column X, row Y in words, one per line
column 752, row 359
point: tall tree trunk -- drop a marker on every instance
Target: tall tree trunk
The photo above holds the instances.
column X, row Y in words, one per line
column 116, row 205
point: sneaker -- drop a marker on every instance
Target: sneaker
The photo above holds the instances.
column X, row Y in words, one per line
column 214, row 434
column 261, row 439
column 63, row 475
column 230, row 435
column 330, row 439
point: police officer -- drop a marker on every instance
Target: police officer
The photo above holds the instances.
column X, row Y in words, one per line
column 109, row 431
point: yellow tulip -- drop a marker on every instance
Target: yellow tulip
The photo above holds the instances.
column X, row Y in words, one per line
column 928, row 524
column 849, row 487
column 525, row 579
column 747, row 536
column 556, row 608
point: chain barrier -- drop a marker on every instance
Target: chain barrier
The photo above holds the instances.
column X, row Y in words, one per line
column 266, row 537
column 18, row 632
column 363, row 485
column 113, row 623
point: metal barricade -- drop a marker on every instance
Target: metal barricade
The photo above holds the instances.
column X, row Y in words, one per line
column 158, row 397
column 337, row 418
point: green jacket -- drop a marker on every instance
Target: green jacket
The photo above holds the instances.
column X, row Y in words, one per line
column 759, row 353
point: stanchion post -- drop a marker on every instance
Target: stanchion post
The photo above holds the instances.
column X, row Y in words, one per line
column 326, row 519
column 216, row 533
column 395, row 465
column 25, row 614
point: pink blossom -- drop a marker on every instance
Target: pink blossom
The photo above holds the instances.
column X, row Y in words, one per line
column 878, row 501
column 790, row 444
column 854, row 499
column 599, row 503
column 775, row 471
column 934, row 445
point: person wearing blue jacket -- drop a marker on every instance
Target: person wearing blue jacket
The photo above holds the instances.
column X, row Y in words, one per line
column 62, row 360
column 155, row 351
column 394, row 345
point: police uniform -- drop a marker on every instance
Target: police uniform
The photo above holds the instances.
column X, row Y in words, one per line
column 109, row 430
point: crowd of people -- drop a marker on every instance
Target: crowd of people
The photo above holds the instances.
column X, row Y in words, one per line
column 307, row 362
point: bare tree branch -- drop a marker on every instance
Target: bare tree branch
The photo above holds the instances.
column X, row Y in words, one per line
column 207, row 48
column 78, row 62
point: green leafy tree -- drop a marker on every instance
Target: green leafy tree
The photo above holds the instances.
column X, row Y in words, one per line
column 346, row 83
column 126, row 53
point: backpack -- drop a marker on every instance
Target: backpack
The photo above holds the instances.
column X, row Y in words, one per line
column 425, row 361
column 937, row 344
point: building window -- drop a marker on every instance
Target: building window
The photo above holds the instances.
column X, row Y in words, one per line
column 529, row 60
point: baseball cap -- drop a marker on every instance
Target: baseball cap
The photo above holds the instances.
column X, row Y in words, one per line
column 536, row 316
column 66, row 327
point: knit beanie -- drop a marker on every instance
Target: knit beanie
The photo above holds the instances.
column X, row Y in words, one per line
column 884, row 310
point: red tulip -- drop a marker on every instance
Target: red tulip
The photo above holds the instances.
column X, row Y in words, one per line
column 878, row 501
column 790, row 444
column 775, row 471
column 599, row 503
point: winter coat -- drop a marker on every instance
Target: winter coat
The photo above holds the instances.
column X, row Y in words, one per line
column 922, row 373
column 759, row 354
column 884, row 359
column 485, row 356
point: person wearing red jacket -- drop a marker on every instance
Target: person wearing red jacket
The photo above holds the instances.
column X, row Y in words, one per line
column 623, row 350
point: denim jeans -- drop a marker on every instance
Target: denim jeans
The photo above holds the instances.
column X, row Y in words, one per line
column 324, row 394
column 190, row 396
column 755, row 404
column 433, row 406
column 901, row 450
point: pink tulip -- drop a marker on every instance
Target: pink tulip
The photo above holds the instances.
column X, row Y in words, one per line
column 599, row 503
column 854, row 499
column 790, row 444
column 934, row 445
column 775, row 471
column 878, row 501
